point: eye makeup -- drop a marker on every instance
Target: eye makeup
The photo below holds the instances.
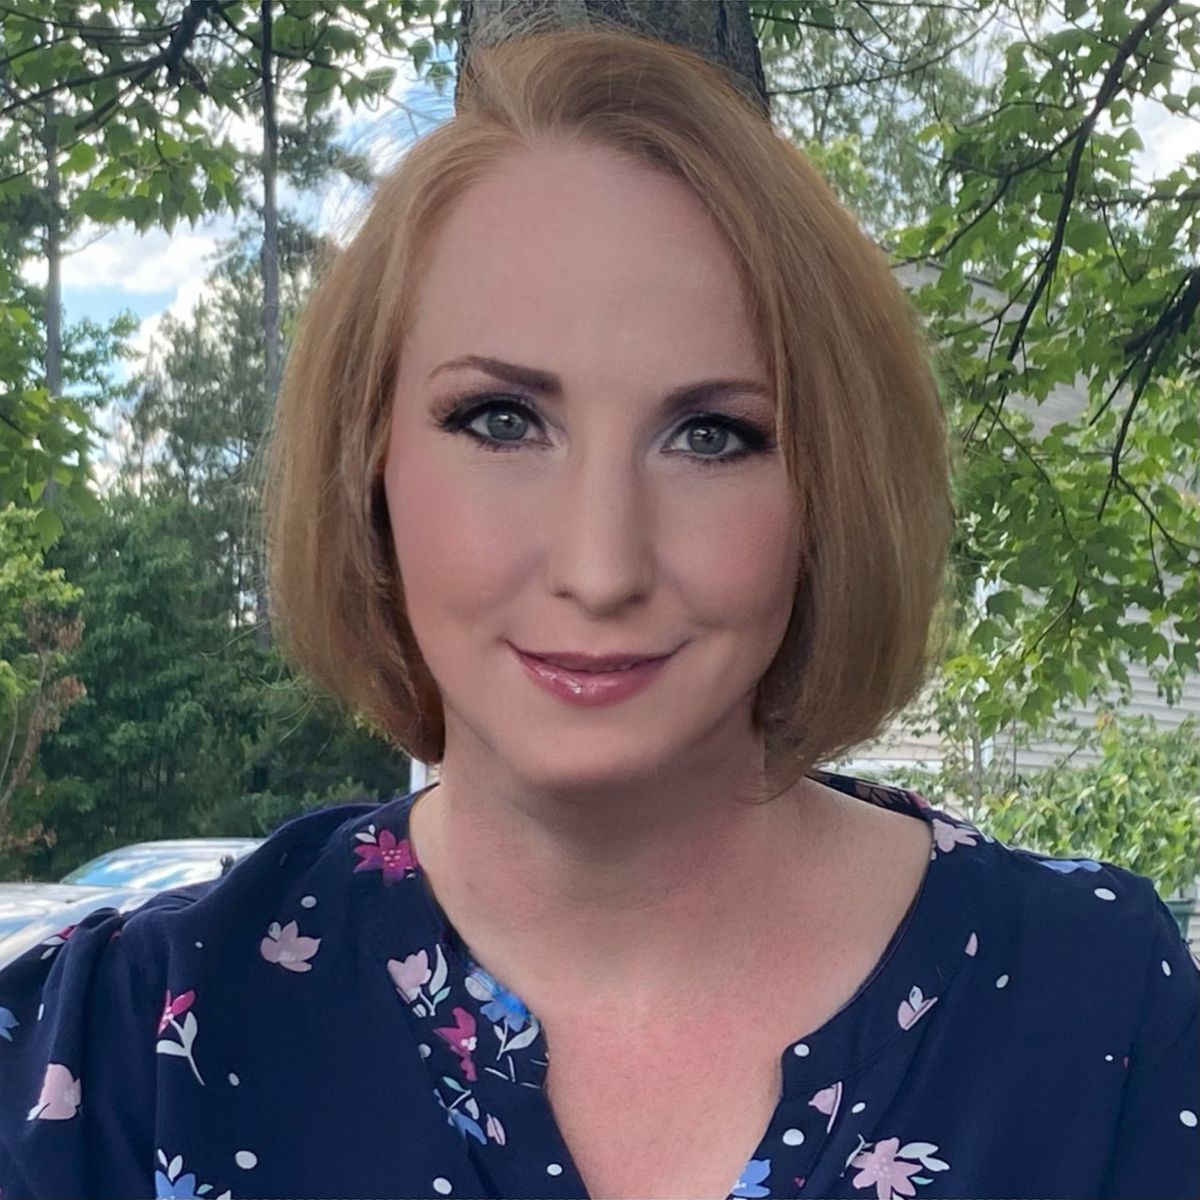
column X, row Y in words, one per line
column 459, row 414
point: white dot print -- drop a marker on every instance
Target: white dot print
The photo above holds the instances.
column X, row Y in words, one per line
column 793, row 1137
column 441, row 1186
column 1002, row 981
column 308, row 902
column 858, row 1107
column 1188, row 1118
column 199, row 945
column 246, row 1159
column 233, row 1079
column 554, row 1169
column 41, row 1009
column 800, row 1051
column 1166, row 966
column 1108, row 1058
column 423, row 1050
column 1106, row 893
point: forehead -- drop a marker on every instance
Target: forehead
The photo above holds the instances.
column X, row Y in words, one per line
column 583, row 257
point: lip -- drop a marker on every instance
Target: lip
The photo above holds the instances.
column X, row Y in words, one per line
column 590, row 689
column 591, row 662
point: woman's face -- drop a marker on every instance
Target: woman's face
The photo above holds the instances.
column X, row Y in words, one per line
column 584, row 515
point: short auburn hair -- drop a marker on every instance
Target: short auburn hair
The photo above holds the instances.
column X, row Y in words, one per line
column 858, row 418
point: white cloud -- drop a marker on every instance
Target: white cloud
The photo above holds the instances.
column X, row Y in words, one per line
column 132, row 262
column 190, row 292
column 1167, row 137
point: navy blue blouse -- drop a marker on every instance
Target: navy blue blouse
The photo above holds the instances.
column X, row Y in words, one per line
column 311, row 1026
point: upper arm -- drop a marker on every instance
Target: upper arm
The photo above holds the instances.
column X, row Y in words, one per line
column 1156, row 1152
column 77, row 1067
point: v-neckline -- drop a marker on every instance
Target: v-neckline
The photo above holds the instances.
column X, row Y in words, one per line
column 814, row 1066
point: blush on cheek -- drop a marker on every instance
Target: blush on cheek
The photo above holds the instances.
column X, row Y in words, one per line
column 740, row 558
column 462, row 556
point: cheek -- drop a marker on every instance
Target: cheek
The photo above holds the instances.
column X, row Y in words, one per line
column 461, row 553
column 737, row 555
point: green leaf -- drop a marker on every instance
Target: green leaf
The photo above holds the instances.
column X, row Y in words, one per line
column 49, row 526
column 82, row 157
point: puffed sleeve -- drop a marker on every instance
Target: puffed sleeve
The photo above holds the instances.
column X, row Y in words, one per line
column 77, row 1066
column 1156, row 1153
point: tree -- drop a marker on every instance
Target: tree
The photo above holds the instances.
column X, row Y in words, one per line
column 187, row 728
column 1093, row 284
column 721, row 31
column 856, row 84
column 37, row 631
column 126, row 97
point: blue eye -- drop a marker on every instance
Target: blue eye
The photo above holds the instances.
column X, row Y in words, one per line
column 497, row 423
column 495, row 435
column 717, row 430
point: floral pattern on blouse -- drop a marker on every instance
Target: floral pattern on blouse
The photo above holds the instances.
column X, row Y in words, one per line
column 338, row 1038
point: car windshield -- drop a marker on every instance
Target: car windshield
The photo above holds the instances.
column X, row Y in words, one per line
column 144, row 871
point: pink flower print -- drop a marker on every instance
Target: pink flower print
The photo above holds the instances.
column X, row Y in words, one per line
column 175, row 1008
column 185, row 1030
column 879, row 1167
column 460, row 1037
column 55, row 940
column 411, row 974
column 60, row 1096
column 287, row 948
column 828, row 1100
column 947, row 836
column 394, row 858
column 914, row 1008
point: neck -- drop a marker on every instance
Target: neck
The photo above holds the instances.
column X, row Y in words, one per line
column 644, row 890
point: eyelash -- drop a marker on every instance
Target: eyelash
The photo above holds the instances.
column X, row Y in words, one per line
column 464, row 411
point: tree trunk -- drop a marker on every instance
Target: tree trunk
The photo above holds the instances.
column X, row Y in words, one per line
column 270, row 270
column 718, row 30
column 54, row 350
column 53, row 243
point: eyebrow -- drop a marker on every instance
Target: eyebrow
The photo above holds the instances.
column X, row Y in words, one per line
column 545, row 383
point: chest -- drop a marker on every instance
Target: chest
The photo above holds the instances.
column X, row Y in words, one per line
column 677, row 1116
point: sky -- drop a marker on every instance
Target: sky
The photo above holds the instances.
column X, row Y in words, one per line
column 155, row 273
column 151, row 273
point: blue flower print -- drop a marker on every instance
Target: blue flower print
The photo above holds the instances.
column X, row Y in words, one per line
column 171, row 1183
column 502, row 1006
column 1064, row 866
column 8, row 1022
column 754, row 1174
column 461, row 1118
column 466, row 1125
column 184, row 1188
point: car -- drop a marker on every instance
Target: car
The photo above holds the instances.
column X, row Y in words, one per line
column 33, row 913
column 166, row 863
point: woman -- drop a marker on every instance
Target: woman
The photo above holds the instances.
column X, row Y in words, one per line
column 609, row 474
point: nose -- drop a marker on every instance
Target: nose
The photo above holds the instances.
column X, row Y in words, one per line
column 601, row 529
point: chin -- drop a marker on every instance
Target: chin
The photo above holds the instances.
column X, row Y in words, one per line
column 588, row 763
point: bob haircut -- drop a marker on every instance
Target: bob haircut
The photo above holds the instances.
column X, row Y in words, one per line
column 858, row 418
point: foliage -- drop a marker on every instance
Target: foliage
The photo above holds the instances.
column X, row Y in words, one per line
column 187, row 727
column 856, row 84
column 1009, row 185
column 37, row 633
column 1138, row 806
column 1084, row 537
column 119, row 112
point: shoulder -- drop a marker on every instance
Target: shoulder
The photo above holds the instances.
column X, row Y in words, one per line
column 85, row 1014
column 129, row 953
column 305, row 850
column 1087, row 924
